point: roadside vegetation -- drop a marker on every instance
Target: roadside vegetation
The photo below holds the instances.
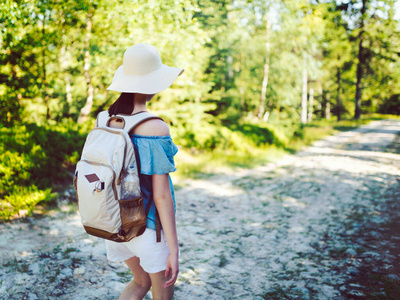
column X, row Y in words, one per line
column 33, row 172
column 262, row 78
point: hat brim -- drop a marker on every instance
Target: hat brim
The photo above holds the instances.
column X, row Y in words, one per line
column 150, row 83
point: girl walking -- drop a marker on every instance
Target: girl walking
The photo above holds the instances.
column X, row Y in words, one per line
column 153, row 264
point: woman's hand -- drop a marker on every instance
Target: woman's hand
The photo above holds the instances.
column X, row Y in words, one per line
column 172, row 270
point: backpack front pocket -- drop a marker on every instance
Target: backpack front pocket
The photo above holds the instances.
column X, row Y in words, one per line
column 98, row 197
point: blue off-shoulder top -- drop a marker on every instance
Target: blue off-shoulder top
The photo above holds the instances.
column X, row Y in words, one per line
column 156, row 156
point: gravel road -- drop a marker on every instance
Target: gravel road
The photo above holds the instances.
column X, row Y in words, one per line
column 321, row 224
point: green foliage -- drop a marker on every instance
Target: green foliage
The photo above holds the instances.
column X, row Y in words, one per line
column 221, row 44
column 37, row 154
column 22, row 200
column 250, row 145
column 52, row 64
column 206, row 137
column 391, row 105
column 33, row 159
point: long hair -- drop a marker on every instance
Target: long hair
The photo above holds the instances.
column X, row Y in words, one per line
column 124, row 105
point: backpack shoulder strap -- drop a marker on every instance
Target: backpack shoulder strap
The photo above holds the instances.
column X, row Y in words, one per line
column 102, row 119
column 132, row 121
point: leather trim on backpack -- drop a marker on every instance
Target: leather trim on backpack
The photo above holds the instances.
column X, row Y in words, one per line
column 115, row 237
column 74, row 181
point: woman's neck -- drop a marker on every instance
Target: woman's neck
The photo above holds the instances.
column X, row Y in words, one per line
column 139, row 107
column 140, row 102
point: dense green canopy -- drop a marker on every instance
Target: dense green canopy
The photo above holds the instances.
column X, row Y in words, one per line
column 58, row 56
column 252, row 70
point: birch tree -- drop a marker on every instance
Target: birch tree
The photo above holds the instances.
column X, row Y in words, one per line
column 85, row 111
column 362, row 59
column 304, row 96
column 261, row 110
column 311, row 105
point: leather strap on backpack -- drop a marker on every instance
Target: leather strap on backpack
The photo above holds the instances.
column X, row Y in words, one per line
column 129, row 121
column 157, row 216
column 158, row 227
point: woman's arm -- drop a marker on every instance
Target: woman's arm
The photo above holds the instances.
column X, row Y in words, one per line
column 164, row 202
column 165, row 206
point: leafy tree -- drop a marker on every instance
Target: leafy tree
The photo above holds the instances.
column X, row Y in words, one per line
column 337, row 64
column 371, row 26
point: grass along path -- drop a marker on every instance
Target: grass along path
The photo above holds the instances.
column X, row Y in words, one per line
column 321, row 224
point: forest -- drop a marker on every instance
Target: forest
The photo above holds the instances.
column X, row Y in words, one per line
column 260, row 76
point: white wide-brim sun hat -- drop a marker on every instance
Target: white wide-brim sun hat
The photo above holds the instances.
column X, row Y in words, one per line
column 143, row 72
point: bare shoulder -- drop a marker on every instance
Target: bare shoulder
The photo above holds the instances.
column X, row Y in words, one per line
column 153, row 127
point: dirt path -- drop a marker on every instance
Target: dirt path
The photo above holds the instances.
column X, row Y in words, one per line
column 323, row 224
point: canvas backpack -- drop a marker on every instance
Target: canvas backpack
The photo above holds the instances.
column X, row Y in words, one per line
column 106, row 155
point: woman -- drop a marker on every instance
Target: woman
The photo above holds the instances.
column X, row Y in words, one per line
column 153, row 264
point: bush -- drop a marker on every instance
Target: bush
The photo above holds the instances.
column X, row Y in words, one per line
column 22, row 200
column 207, row 137
column 35, row 160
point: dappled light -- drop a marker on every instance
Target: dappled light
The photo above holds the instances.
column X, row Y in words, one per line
column 290, row 201
column 215, row 189
column 262, row 78
column 287, row 120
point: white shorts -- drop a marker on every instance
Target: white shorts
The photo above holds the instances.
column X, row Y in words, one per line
column 153, row 256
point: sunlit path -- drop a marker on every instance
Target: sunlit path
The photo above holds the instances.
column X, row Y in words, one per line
column 307, row 227
column 294, row 228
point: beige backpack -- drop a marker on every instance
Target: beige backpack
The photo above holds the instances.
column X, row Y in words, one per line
column 106, row 155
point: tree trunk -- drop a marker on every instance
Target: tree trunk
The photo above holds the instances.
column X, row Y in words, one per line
column 242, row 99
column 68, row 90
column 328, row 106
column 241, row 88
column 230, row 68
column 357, row 112
column 85, row 111
column 311, row 105
column 338, row 102
column 361, row 63
column 45, row 96
column 229, row 74
column 321, row 100
column 304, row 98
column 64, row 63
column 264, row 85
